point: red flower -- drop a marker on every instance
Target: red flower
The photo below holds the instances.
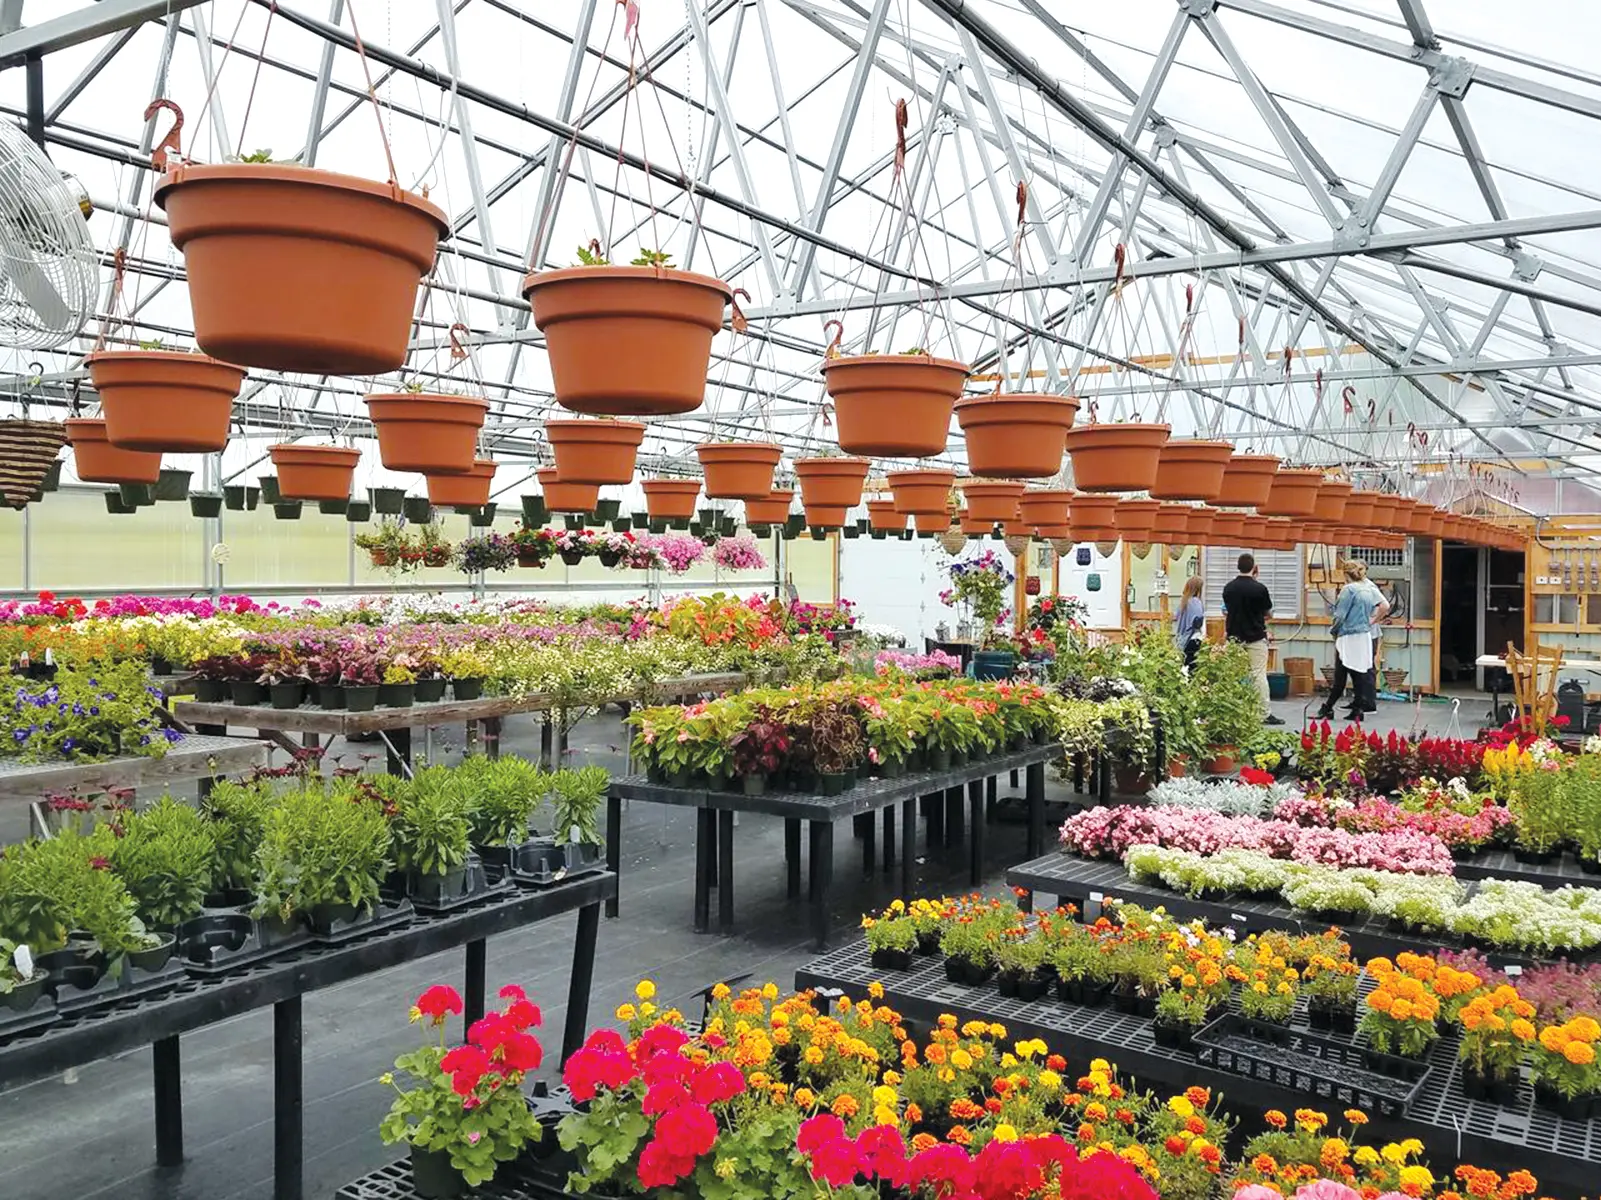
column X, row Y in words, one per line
column 1104, row 1177
column 521, row 1052
column 883, row 1154
column 524, row 1014
column 664, row 1098
column 437, row 1001
column 946, row 1167
column 659, row 1167
column 466, row 1065
column 512, row 992
column 688, row 1131
column 837, row 1162
column 595, row 1067
column 718, row 1082
column 814, row 1131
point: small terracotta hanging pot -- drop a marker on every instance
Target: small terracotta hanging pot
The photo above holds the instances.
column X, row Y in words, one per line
column 1359, row 509
column 1015, row 437
column 1247, row 481
column 1203, row 527
column 465, row 491
column 564, row 497
column 893, row 405
column 991, row 500
column 314, row 472
column 599, row 452
column 1136, row 519
column 975, row 527
column 428, row 432
column 165, row 400
column 1046, row 506
column 628, row 341
column 881, row 514
column 1116, row 457
column 98, row 461
column 1332, row 498
column 738, row 470
column 1172, row 524
column 772, row 509
column 1385, row 508
column 1191, row 469
column 920, row 492
column 834, row 482
column 1281, row 533
column 296, row 269
column 825, row 516
column 1294, row 494
column 671, row 499
column 1400, row 514
column 1225, row 528
column 1054, row 533
column 1094, row 518
column 932, row 522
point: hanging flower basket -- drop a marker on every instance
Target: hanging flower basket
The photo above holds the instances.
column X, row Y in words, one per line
column 1386, row 511
column 893, row 405
column 314, row 472
column 991, row 500
column 1433, row 524
column 1172, row 525
column 882, row 514
column 1094, row 518
column 1247, row 481
column 930, row 522
column 28, row 451
column 1116, row 457
column 1332, row 498
column 1205, row 528
column 772, row 509
column 564, row 497
column 671, row 499
column 921, row 492
column 470, row 490
column 825, row 516
column 296, row 269
column 1294, row 494
column 98, row 461
column 1191, row 469
column 427, row 432
column 165, row 400
column 628, row 341
column 1049, row 507
column 738, row 470
column 1359, row 508
column 833, row 482
column 598, row 452
column 1016, row 437
column 1136, row 519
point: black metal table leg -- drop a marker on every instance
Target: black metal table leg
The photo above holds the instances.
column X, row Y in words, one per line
column 473, row 1004
column 1025, row 900
column 869, row 836
column 953, row 816
column 169, row 1101
column 822, row 879
column 614, row 848
column 908, row 845
column 889, row 840
column 581, row 980
column 934, row 809
column 1014, row 776
column 712, row 858
column 725, row 871
column 398, row 744
column 859, row 825
column 975, row 835
column 1036, row 809
column 1078, row 774
column 490, row 727
column 1106, row 781
column 288, row 1149
column 546, row 742
column 989, row 795
column 792, row 854
column 705, row 840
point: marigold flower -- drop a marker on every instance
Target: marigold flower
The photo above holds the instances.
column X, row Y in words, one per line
column 645, row 990
column 1275, row 1118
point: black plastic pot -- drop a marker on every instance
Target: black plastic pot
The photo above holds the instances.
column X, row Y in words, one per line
column 610, row 558
column 572, row 557
column 639, row 520
column 154, row 957
column 1174, row 1037
column 681, row 524
column 607, row 510
column 432, row 1176
column 287, row 695
column 572, row 522
column 137, row 495
column 287, row 510
column 483, row 516
column 467, row 689
column 819, row 533
column 658, row 526
column 331, row 695
column 1496, row 1089
column 939, row 760
column 211, row 691
column 52, row 478
column 361, row 697
column 832, row 783
column 396, row 695
column 753, row 785
column 333, row 508
column 245, row 692
column 239, row 498
column 887, row 958
column 202, row 505
column 851, row 531
column 760, row 531
column 173, row 484
column 960, row 970
column 429, row 691
column 417, row 509
column 388, row 502
column 358, row 512
column 727, row 526
column 229, row 900
column 534, row 511
column 159, row 665
column 269, row 489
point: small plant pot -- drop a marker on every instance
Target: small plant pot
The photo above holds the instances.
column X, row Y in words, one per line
column 331, row 696
column 137, row 495
column 397, row 695
column 287, row 510
column 173, row 485
column 160, row 666
column 1575, row 1108
column 939, row 760
column 153, row 958
column 358, row 512
column 467, row 689
column 361, row 697
column 205, row 506
column 269, row 489
column 1222, row 760
column 430, row 691
column 887, row 958
column 333, row 508
column 610, row 558
column 313, row 693
column 572, row 557
column 244, row 692
column 483, row 517
column 832, row 783
column 1173, row 1037
column 24, row 996
column 418, row 510
column 891, row 768
column 287, row 695
column 1496, row 1089
column 387, row 502
column 240, row 498
column 1523, row 854
column 534, row 511
column 753, row 785
column 211, row 691
column 961, row 970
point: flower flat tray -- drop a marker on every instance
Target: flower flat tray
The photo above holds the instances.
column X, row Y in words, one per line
column 388, row 915
column 131, row 984
column 37, row 1016
column 1563, row 871
column 512, row 1182
column 219, row 943
column 482, row 886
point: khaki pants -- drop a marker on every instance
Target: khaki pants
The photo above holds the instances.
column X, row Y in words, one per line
column 1258, row 655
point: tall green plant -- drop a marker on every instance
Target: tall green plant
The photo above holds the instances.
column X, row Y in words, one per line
column 237, row 814
column 166, row 857
column 48, row 888
column 326, row 844
column 503, row 797
column 1230, row 709
column 578, row 795
column 429, row 824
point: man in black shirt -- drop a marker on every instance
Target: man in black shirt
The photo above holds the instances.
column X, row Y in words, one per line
column 1246, row 608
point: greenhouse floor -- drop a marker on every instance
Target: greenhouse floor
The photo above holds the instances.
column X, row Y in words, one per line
column 90, row 1133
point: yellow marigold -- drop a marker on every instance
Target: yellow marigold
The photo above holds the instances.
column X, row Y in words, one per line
column 1050, row 1081
column 997, row 1031
column 645, row 989
column 1415, row 1177
column 947, row 1021
column 845, row 1106
column 626, row 1012
column 1365, row 1156
column 875, row 990
column 1181, row 1106
column 1580, row 1054
column 893, row 1078
column 884, row 1115
column 1004, row 1133
column 961, row 1060
column 885, row 1095
column 1356, row 1116
column 1393, row 1152
column 813, row 1055
column 1585, row 1028
column 769, row 990
column 805, row 1097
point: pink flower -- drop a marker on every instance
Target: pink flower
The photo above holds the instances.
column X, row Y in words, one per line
column 1326, row 1189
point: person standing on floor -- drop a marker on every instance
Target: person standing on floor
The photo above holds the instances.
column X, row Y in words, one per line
column 1189, row 624
column 1247, row 605
column 1351, row 624
column 1356, row 573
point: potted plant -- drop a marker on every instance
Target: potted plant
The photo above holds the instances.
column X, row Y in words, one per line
column 165, row 857
column 611, row 548
column 467, row 667
column 832, row 484
column 504, row 794
column 236, row 816
column 837, row 745
column 465, row 1113
column 1230, row 714
column 759, row 751
column 1020, row 957
column 248, row 687
column 428, row 432
column 1497, row 1035
column 1191, row 469
column 98, row 461
column 534, row 545
column 284, row 677
column 21, row 980
column 575, row 545
column 600, row 452
column 1400, row 1012
column 1180, row 1011
column 1329, row 980
column 358, row 676
column 576, row 797
column 323, row 856
column 1567, row 1077
column 399, row 682
column 429, row 827
column 969, row 939
column 891, row 941
column 1117, row 456
column 893, row 405
column 431, row 680
column 488, row 552
column 670, row 499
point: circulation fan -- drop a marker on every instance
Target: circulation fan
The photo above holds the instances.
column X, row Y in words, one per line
column 48, row 264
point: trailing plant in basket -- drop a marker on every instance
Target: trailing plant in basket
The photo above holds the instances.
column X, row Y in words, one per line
column 326, row 844
column 165, row 857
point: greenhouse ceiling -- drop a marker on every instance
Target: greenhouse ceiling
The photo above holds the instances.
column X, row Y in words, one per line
column 1343, row 232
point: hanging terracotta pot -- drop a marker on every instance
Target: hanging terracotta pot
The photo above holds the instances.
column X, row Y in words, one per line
column 920, row 492
column 1385, row 505
column 893, row 405
column 98, row 461
column 1294, row 494
column 296, row 269
column 1359, row 509
column 671, row 499
column 975, row 527
column 599, row 452
column 825, row 516
column 881, row 514
column 1203, row 527
column 932, row 522
column 772, row 509
column 1094, row 518
column 1054, row 533
column 1191, row 469
column 165, row 400
column 1402, row 509
column 561, row 496
column 738, row 470
column 314, row 472
column 1116, row 457
column 1332, row 497
column 1046, row 506
column 627, row 341
column 1281, row 533
column 470, row 490
column 1136, row 519
column 1015, row 437
column 1226, row 528
column 1247, row 481
column 991, row 500
column 835, row 482
column 1436, row 523
column 1172, row 524
column 427, row 432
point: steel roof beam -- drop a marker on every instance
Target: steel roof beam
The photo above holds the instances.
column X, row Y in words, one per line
column 84, row 25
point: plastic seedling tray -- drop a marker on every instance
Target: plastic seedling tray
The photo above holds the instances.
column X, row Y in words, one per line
column 120, row 983
column 335, row 930
column 14, row 1022
column 472, row 885
column 215, row 943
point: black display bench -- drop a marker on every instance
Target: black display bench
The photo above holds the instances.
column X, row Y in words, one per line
column 1563, row 1154
column 514, row 1181
column 941, row 792
column 1562, row 871
column 281, row 982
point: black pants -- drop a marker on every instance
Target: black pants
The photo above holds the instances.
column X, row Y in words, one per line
column 1364, row 690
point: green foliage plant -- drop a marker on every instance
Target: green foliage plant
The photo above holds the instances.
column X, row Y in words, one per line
column 326, row 844
column 165, row 857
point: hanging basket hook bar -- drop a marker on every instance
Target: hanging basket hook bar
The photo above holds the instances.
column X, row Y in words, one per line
column 737, row 319
column 832, row 349
column 158, row 156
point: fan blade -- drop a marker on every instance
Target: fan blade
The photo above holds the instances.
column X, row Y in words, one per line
column 42, row 296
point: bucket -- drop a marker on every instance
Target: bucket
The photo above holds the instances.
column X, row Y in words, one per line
column 1278, row 685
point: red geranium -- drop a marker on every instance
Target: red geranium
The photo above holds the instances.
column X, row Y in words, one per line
column 718, row 1082
column 689, row 1130
column 438, row 1002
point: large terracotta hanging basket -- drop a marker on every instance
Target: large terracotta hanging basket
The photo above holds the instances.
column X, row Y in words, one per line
column 1281, row 533
column 991, row 500
column 738, row 470
column 1015, row 437
column 1226, row 529
column 1094, row 518
column 893, row 405
column 1294, row 494
column 772, row 509
column 1385, row 506
column 598, row 452
column 1136, row 519
column 1054, row 533
column 1247, row 481
column 1359, row 509
column 428, row 432
column 975, row 527
column 296, row 269
column 628, row 341
column 1202, row 527
column 1190, row 469
column 165, row 400
column 564, row 497
column 98, row 461
column 1332, row 498
column 314, row 472
column 825, row 516
column 671, row 499
column 881, row 515
column 1172, row 525
column 835, row 482
column 1116, row 457
column 932, row 522
column 463, row 491
column 920, row 492
column 1050, row 507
